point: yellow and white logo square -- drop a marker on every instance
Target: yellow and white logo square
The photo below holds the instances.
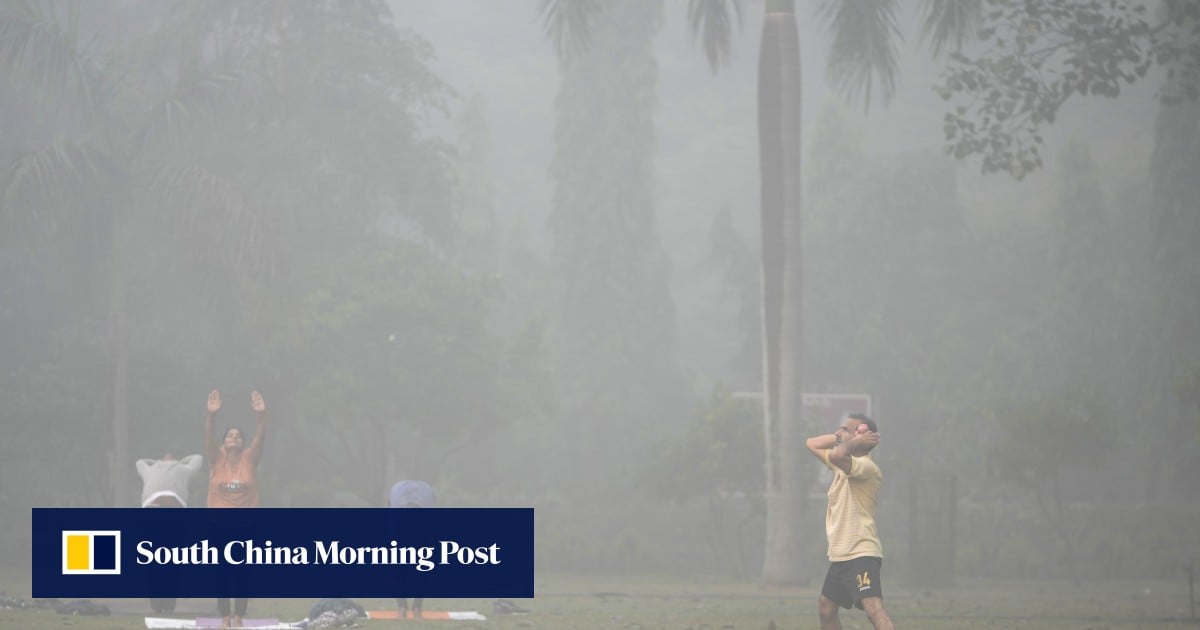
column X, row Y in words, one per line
column 91, row 552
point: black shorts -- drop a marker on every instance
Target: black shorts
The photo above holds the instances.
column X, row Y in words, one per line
column 846, row 583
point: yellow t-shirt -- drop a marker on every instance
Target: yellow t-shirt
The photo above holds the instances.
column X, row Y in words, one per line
column 850, row 516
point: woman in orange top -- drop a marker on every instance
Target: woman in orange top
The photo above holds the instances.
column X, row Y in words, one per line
column 233, row 478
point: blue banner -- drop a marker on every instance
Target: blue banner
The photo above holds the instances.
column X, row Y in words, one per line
column 294, row 552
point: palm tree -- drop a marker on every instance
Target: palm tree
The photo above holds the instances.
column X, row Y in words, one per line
column 229, row 148
column 779, row 146
column 862, row 54
column 614, row 318
column 46, row 56
column 105, row 175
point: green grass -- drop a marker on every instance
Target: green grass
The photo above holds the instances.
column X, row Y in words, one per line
column 643, row 603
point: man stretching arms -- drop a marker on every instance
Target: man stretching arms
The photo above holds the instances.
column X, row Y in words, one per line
column 855, row 554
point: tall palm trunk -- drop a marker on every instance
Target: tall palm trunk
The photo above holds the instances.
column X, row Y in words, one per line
column 119, row 462
column 779, row 135
column 119, row 459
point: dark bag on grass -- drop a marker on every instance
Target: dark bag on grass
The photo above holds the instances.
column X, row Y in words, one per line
column 335, row 604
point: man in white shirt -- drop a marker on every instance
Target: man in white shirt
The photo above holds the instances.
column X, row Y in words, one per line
column 165, row 481
column 165, row 485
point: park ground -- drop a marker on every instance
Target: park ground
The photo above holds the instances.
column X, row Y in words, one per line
column 649, row 602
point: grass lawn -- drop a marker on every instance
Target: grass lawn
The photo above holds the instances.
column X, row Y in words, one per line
column 643, row 603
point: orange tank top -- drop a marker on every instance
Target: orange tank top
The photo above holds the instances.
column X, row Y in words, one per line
column 230, row 485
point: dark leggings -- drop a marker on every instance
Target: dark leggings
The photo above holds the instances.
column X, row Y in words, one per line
column 239, row 606
column 402, row 603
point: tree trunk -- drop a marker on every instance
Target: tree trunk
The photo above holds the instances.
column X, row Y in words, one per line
column 119, row 462
column 616, row 367
column 779, row 136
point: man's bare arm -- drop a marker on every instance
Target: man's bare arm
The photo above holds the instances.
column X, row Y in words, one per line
column 840, row 455
column 818, row 444
column 830, row 451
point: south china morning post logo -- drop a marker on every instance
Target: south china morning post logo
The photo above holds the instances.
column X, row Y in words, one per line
column 251, row 552
column 87, row 552
column 282, row 552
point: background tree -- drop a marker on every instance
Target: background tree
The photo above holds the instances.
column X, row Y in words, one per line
column 614, row 326
column 736, row 262
column 717, row 458
column 97, row 178
column 862, row 55
column 252, row 190
column 1173, row 306
column 1038, row 466
column 1033, row 57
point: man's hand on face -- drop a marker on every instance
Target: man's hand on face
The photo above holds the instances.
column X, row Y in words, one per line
column 868, row 439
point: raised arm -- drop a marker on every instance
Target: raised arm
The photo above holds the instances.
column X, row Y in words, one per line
column 819, row 444
column 830, row 449
column 862, row 442
column 260, row 409
column 839, row 456
column 210, row 438
column 835, row 452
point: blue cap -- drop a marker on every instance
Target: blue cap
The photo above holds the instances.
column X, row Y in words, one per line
column 410, row 493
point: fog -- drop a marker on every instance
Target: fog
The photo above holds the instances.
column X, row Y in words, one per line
column 442, row 250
